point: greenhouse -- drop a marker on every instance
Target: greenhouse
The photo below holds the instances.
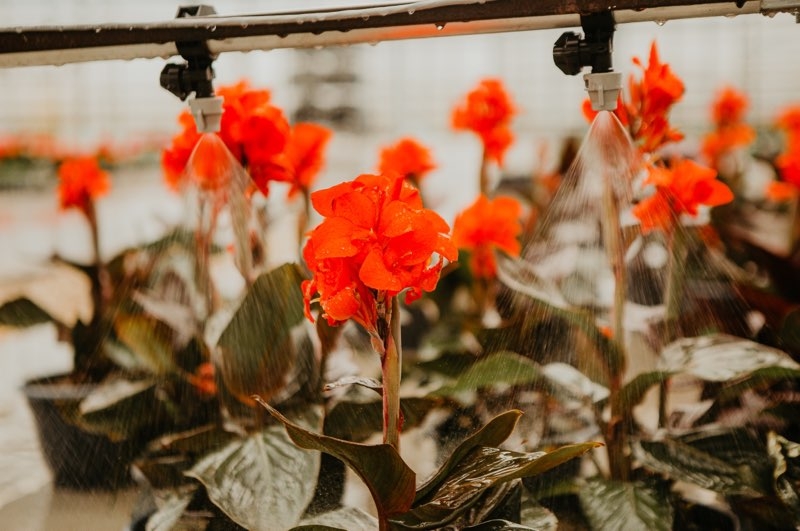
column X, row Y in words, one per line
column 421, row 265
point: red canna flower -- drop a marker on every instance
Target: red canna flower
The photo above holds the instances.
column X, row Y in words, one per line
column 680, row 189
column 780, row 191
column 484, row 226
column 375, row 241
column 81, row 181
column 649, row 102
column 406, row 159
column 788, row 162
column 203, row 380
column 727, row 112
column 789, row 120
column 254, row 131
column 487, row 111
column 305, row 155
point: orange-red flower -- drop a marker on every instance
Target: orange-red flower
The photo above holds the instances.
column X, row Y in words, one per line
column 406, row 159
column 780, row 191
column 680, row 189
column 789, row 120
column 649, row 102
column 484, row 226
column 254, row 130
column 81, row 181
column 305, row 155
column 788, row 162
column 487, row 111
column 375, row 241
column 727, row 112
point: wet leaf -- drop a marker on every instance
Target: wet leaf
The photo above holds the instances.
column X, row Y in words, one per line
column 633, row 392
column 790, row 332
column 256, row 348
column 388, row 478
column 502, row 368
column 356, row 421
column 573, row 382
column 120, row 408
column 625, row 506
column 369, row 383
column 23, row 312
column 170, row 512
column 484, row 467
column 494, row 433
column 720, row 357
column 449, row 364
column 345, row 519
column 139, row 333
column 537, row 517
column 262, row 482
column 681, row 461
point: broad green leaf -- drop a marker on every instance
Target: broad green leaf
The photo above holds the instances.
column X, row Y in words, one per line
column 140, row 334
column 681, row 461
column 633, row 392
column 502, row 368
column 482, row 468
column 356, row 421
column 380, row 467
column 625, row 506
column 120, row 408
column 170, row 512
column 720, row 357
column 573, row 382
column 790, row 332
column 494, row 433
column 537, row 517
column 785, row 456
column 363, row 381
column 262, row 482
column 345, row 518
column 23, row 312
column 256, row 348
column 449, row 364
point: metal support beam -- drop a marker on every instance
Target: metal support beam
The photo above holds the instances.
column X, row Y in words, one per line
column 24, row 46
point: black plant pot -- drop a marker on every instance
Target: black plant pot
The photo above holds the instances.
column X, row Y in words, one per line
column 77, row 459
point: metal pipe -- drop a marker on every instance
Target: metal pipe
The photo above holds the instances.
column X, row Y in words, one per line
column 24, row 46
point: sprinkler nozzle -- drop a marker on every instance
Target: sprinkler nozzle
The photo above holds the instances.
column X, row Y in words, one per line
column 207, row 113
column 603, row 89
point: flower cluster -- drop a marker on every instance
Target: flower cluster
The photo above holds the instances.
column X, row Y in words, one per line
column 487, row 111
column 375, row 241
column 81, row 181
column 680, row 189
column 650, row 99
column 788, row 162
column 484, row 226
column 406, row 159
column 730, row 131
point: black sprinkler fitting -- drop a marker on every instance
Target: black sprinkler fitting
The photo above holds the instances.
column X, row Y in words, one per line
column 196, row 74
column 572, row 52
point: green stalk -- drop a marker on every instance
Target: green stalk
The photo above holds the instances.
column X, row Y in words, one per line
column 484, row 175
column 616, row 432
column 676, row 247
column 390, row 366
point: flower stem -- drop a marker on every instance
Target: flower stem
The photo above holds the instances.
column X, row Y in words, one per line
column 390, row 366
column 676, row 249
column 484, row 176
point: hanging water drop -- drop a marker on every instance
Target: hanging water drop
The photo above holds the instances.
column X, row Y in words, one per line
column 411, row 11
column 98, row 30
column 440, row 27
column 213, row 28
column 365, row 17
column 18, row 29
column 660, row 21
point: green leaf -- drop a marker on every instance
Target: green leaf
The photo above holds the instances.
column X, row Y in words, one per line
column 356, row 421
column 625, row 506
column 721, row 358
column 502, row 368
column 170, row 512
column 257, row 349
column 141, row 335
column 262, row 481
column 537, row 517
column 494, row 433
column 380, row 467
column 482, row 468
column 633, row 392
column 344, row 518
column 681, row 461
column 790, row 332
column 120, row 408
column 23, row 312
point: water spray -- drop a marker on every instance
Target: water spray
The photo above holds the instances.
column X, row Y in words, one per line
column 195, row 76
column 573, row 52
